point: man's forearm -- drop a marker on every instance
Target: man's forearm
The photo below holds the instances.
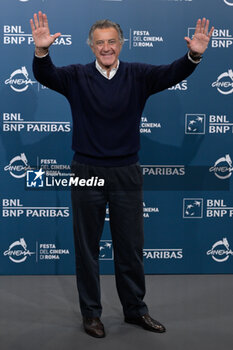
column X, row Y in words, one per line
column 51, row 76
column 45, row 72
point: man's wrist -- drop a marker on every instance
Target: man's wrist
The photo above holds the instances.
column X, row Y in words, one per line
column 194, row 57
column 40, row 52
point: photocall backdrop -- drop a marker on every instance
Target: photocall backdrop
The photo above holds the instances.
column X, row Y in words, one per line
column 186, row 138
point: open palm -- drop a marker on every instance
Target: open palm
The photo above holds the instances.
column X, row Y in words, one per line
column 40, row 31
column 199, row 43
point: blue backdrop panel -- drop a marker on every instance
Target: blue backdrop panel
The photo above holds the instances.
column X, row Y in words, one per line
column 186, row 137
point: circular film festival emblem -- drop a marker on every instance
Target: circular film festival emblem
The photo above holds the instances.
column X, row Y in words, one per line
column 228, row 2
column 19, row 80
column 18, row 252
column 18, row 166
column 222, row 167
column 224, row 83
column 220, row 251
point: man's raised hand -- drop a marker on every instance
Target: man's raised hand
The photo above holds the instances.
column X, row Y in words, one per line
column 199, row 43
column 41, row 34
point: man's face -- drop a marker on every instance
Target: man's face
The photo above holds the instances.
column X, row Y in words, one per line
column 106, row 47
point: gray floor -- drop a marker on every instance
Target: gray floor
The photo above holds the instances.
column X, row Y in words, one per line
column 41, row 312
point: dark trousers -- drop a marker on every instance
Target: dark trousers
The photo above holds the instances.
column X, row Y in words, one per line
column 123, row 193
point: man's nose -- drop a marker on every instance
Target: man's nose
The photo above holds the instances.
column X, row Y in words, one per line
column 106, row 46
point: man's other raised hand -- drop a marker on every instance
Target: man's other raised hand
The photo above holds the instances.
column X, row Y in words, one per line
column 199, row 43
column 41, row 34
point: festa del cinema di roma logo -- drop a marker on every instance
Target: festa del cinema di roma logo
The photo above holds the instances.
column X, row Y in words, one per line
column 228, row 2
column 220, row 250
column 224, row 83
column 222, row 167
column 18, row 252
column 18, row 166
column 19, row 80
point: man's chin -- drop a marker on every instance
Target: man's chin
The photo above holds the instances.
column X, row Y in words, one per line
column 107, row 64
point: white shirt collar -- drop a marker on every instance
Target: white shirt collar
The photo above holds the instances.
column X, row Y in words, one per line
column 104, row 72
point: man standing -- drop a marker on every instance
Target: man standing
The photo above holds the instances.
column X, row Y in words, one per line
column 107, row 98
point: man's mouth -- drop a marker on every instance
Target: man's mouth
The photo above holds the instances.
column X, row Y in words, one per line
column 106, row 54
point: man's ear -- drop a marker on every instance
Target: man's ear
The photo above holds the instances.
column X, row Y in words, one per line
column 92, row 49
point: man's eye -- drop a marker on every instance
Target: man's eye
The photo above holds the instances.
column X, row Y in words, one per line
column 112, row 41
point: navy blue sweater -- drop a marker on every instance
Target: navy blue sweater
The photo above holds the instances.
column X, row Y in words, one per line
column 106, row 113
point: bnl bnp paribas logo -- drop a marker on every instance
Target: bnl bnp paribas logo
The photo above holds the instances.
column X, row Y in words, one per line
column 106, row 250
column 221, row 38
column 192, row 208
column 195, row 123
column 15, row 35
column 19, row 80
column 214, row 208
column 200, row 124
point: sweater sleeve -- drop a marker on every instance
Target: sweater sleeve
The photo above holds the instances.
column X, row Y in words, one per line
column 158, row 78
column 49, row 75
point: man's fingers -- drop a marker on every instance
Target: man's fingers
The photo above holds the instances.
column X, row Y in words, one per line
column 211, row 32
column 203, row 25
column 41, row 21
column 45, row 20
column 36, row 21
column 187, row 39
column 206, row 27
column 55, row 36
column 198, row 26
column 32, row 25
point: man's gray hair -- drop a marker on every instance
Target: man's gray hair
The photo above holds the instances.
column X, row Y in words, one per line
column 102, row 24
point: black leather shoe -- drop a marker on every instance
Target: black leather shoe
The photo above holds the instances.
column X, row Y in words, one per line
column 147, row 322
column 94, row 327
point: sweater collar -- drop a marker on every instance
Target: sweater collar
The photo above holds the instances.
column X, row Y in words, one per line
column 104, row 72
